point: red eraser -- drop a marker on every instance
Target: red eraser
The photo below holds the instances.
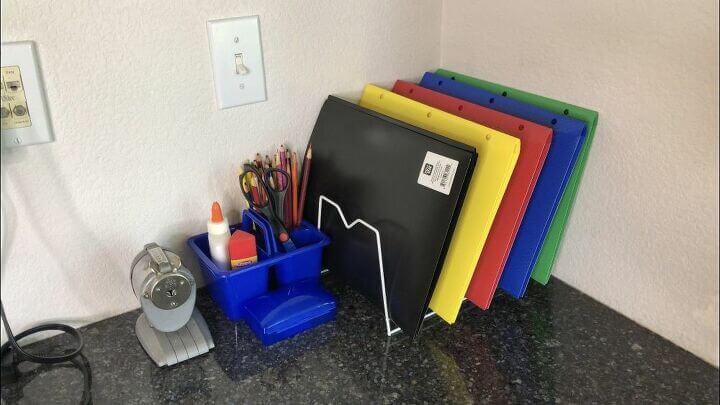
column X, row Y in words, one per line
column 242, row 248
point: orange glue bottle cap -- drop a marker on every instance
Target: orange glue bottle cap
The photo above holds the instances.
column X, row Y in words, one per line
column 217, row 215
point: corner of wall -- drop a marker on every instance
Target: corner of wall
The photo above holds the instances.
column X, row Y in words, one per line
column 443, row 15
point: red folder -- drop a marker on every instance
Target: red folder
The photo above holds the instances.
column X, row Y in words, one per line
column 534, row 144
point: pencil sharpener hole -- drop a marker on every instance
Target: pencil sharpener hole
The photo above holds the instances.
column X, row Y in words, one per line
column 554, row 121
column 460, row 108
column 566, row 112
column 521, row 127
column 504, row 93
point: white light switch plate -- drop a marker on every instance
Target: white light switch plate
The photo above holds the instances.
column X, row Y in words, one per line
column 236, row 54
column 24, row 112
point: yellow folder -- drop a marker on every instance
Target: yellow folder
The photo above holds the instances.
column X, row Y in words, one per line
column 497, row 155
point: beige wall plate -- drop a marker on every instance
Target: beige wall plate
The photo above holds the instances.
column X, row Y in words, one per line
column 23, row 109
column 13, row 109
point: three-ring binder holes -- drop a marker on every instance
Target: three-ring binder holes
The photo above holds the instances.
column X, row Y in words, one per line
column 452, row 78
column 521, row 127
column 488, row 136
column 381, row 95
column 429, row 114
column 492, row 100
column 440, row 83
column 504, row 93
column 460, row 108
column 566, row 112
column 554, row 121
column 411, row 91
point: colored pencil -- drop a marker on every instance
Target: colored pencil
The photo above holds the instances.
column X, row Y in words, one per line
column 278, row 179
column 254, row 188
column 276, row 164
column 281, row 155
column 294, row 175
column 285, row 182
column 304, row 181
column 288, row 199
column 267, row 163
column 258, row 162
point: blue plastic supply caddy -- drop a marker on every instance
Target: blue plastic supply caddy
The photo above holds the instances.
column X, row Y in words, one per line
column 230, row 289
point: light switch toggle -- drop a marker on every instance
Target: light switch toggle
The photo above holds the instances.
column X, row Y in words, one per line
column 240, row 67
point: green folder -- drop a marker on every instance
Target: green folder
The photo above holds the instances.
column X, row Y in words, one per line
column 543, row 266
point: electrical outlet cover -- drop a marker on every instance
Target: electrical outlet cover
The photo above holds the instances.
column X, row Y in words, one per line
column 24, row 112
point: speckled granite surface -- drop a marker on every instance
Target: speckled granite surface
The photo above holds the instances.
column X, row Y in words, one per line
column 556, row 346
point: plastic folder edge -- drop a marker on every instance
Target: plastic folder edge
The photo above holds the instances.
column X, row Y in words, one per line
column 487, row 274
column 418, row 130
column 447, row 303
column 515, row 279
column 551, row 246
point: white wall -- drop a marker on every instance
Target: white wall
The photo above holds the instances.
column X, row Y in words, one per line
column 643, row 237
column 141, row 149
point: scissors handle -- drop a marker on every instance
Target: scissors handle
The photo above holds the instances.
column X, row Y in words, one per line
column 277, row 182
column 252, row 188
column 277, row 179
column 268, row 197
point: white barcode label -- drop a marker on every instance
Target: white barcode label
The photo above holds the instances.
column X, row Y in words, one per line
column 437, row 172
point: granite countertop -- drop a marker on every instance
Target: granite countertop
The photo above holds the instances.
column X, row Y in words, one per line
column 557, row 345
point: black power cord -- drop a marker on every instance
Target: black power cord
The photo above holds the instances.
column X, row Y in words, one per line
column 11, row 354
column 14, row 393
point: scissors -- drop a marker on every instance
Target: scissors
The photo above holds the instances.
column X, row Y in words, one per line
column 264, row 190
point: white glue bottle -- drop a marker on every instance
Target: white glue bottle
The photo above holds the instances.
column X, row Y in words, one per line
column 218, row 237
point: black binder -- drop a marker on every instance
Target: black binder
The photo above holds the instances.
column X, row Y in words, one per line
column 407, row 182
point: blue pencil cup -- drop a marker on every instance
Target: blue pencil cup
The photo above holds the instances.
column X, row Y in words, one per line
column 230, row 289
column 305, row 262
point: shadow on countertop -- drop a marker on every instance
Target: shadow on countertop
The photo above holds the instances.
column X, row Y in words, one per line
column 556, row 345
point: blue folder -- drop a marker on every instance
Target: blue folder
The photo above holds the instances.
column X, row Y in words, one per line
column 568, row 138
